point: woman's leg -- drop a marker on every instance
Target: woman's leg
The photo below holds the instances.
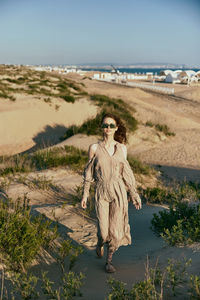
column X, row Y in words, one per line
column 109, row 266
column 102, row 212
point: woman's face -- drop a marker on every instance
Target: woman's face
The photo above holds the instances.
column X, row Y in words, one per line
column 109, row 126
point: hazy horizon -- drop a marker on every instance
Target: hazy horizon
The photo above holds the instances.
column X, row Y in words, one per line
column 87, row 32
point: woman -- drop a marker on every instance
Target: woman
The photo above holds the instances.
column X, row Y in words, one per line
column 109, row 168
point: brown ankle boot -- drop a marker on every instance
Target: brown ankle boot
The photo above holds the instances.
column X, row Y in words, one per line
column 109, row 266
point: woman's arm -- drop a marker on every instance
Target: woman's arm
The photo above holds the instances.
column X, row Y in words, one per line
column 88, row 175
column 129, row 180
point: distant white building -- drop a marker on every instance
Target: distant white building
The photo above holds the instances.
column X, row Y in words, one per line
column 172, row 78
column 188, row 76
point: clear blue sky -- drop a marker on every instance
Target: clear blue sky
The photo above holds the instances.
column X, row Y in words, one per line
column 90, row 31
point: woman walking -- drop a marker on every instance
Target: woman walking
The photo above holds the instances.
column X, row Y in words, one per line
column 109, row 168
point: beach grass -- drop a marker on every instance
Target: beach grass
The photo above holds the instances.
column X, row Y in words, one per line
column 173, row 194
column 43, row 159
column 160, row 127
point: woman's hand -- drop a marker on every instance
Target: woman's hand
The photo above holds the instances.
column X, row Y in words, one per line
column 84, row 203
column 137, row 202
column 138, row 205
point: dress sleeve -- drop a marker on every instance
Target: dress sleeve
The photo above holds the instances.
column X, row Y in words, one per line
column 129, row 180
column 88, row 177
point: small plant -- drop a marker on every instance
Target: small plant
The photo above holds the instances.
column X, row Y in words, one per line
column 24, row 285
column 176, row 273
column 68, row 98
column 165, row 129
column 160, row 127
column 149, row 123
column 70, row 281
column 57, row 107
column 117, row 290
column 4, row 184
column 68, row 249
column 70, row 287
column 47, row 100
column 194, row 287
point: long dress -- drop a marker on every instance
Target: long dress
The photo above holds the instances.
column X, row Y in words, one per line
column 113, row 177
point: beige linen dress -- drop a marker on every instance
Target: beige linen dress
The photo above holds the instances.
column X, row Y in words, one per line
column 113, row 177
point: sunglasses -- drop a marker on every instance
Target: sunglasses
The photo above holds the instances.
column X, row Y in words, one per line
column 111, row 125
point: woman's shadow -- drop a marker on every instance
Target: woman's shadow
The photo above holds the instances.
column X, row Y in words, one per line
column 48, row 137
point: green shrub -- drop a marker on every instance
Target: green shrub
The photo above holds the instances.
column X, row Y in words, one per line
column 178, row 225
column 22, row 236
